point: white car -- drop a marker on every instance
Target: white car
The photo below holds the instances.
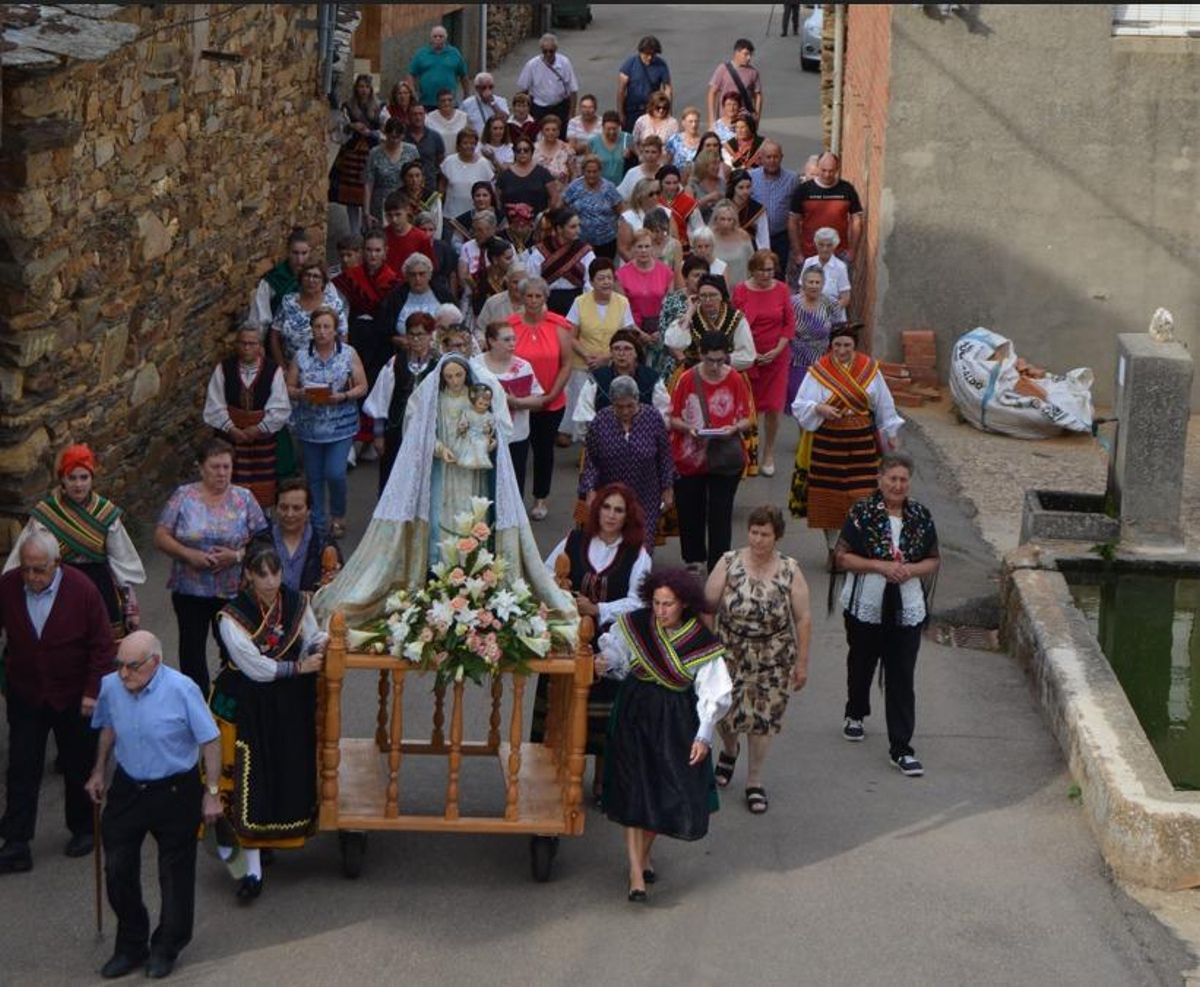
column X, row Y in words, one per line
column 810, row 44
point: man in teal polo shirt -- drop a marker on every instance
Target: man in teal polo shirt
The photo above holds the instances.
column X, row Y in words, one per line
column 437, row 65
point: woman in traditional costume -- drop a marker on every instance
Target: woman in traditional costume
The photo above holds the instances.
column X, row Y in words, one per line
column 562, row 259
column 744, row 148
column 658, row 774
column 420, row 499
column 265, row 703
column 607, row 564
column 846, row 411
column 684, row 209
column 752, row 214
column 362, row 123
column 91, row 537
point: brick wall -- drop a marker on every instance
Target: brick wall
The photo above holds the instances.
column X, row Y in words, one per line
column 867, row 65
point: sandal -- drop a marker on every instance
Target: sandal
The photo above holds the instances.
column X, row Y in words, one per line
column 724, row 769
column 756, row 800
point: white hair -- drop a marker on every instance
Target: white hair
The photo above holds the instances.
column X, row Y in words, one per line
column 44, row 542
column 704, row 233
column 483, row 77
column 622, row 387
column 534, row 282
column 447, row 313
column 827, row 234
column 413, row 261
column 552, row 38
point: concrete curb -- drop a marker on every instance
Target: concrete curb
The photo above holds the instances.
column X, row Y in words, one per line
column 1148, row 832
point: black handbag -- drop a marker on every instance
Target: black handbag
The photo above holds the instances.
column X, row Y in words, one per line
column 725, row 454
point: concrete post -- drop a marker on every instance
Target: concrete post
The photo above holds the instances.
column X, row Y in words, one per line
column 1152, row 406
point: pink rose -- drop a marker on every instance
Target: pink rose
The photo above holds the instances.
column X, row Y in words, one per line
column 485, row 618
column 467, row 545
column 426, row 635
column 489, row 577
column 457, row 576
column 480, row 530
column 458, row 603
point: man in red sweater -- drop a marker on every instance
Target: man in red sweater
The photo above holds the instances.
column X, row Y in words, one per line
column 404, row 239
column 59, row 647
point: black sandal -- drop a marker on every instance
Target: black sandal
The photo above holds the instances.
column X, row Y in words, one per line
column 756, row 800
column 724, row 769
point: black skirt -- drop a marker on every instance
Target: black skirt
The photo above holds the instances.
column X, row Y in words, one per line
column 274, row 768
column 648, row 782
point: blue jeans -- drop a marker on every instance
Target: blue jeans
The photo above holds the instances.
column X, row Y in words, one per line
column 325, row 463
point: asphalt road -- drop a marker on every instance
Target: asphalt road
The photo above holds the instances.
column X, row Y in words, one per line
column 982, row 872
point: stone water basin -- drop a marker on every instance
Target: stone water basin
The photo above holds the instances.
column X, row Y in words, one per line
column 1110, row 649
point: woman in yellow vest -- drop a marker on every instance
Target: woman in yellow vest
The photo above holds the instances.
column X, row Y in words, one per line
column 594, row 316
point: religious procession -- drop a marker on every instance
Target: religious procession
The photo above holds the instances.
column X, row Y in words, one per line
column 547, row 302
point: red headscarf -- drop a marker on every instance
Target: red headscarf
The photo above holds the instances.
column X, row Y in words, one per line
column 74, row 457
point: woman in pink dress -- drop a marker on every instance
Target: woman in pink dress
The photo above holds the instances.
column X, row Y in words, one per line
column 645, row 282
column 767, row 305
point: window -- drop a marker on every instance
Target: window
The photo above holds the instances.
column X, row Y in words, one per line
column 1162, row 20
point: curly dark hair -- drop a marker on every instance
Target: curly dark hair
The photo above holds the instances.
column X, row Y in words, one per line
column 634, row 532
column 686, row 587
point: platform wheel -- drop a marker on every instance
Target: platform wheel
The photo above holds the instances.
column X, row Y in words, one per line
column 354, row 849
column 542, row 851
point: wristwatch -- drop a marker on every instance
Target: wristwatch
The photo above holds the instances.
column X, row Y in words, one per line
column 214, row 790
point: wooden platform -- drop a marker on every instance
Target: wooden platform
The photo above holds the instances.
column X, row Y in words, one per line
column 363, row 780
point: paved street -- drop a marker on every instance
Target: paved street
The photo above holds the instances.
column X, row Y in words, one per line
column 983, row 872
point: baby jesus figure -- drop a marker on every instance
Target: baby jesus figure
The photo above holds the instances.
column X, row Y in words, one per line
column 477, row 430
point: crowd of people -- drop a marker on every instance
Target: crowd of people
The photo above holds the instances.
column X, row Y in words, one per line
column 658, row 292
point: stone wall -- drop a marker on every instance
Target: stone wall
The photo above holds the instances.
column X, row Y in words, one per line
column 508, row 25
column 142, row 195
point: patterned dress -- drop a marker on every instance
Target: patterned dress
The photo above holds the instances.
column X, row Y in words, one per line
column 640, row 458
column 755, row 625
column 810, row 342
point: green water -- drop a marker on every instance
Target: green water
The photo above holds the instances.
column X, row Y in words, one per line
column 1149, row 628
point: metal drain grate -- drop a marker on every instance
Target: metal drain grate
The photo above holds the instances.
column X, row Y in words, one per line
column 978, row 638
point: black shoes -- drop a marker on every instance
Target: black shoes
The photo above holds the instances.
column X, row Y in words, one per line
column 159, row 965
column 119, row 965
column 637, row 894
column 15, row 857
column 248, row 889
column 79, row 845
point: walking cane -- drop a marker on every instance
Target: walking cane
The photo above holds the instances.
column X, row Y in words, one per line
column 771, row 17
column 96, row 868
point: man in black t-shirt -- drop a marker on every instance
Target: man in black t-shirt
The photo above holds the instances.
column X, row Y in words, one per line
column 827, row 200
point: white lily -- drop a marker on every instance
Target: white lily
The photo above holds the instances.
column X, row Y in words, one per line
column 466, row 617
column 504, row 604
column 412, row 650
column 521, row 590
column 479, row 508
column 538, row 625
column 463, row 521
column 483, row 559
column 359, row 640
column 538, row 645
column 394, row 602
column 441, row 613
column 476, row 587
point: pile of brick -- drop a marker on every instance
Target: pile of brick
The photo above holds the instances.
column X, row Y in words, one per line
column 915, row 381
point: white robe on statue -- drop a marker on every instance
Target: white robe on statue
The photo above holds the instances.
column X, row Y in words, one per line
column 394, row 551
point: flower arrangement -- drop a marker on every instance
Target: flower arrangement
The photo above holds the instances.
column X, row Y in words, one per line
column 471, row 619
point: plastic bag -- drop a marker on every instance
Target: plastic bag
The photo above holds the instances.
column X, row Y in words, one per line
column 994, row 396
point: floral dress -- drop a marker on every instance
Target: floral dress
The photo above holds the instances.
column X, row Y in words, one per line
column 294, row 323
column 754, row 623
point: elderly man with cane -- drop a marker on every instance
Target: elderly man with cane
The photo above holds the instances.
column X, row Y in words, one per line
column 154, row 719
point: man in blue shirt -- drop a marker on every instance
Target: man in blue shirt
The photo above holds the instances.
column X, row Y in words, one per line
column 773, row 185
column 436, row 66
column 154, row 719
column 639, row 77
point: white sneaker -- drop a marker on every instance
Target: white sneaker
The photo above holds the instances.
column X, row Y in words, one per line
column 853, row 730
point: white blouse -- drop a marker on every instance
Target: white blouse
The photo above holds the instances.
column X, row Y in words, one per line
column 601, row 556
column 251, row 662
column 714, row 690
column 679, row 337
column 123, row 560
column 276, row 411
column 585, row 406
column 811, row 394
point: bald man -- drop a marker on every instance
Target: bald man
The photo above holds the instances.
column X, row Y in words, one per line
column 157, row 723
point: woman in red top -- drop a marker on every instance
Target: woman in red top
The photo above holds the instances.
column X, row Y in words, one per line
column 767, row 305
column 645, row 281
column 710, row 416
column 544, row 340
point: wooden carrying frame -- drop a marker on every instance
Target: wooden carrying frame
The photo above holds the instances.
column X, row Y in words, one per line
column 360, row 777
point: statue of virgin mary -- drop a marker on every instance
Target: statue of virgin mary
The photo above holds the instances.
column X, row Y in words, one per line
column 427, row 488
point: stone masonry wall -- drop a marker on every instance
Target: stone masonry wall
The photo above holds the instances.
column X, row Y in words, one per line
column 508, row 25
column 141, row 199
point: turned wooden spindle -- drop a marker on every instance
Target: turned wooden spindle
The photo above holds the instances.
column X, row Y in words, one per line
column 381, row 715
column 438, row 740
column 333, row 671
column 494, row 722
column 392, row 807
column 331, row 564
column 581, row 682
column 456, row 736
column 514, row 748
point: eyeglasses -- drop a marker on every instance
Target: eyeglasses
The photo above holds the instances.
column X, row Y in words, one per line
column 484, row 85
column 130, row 666
column 709, row 296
